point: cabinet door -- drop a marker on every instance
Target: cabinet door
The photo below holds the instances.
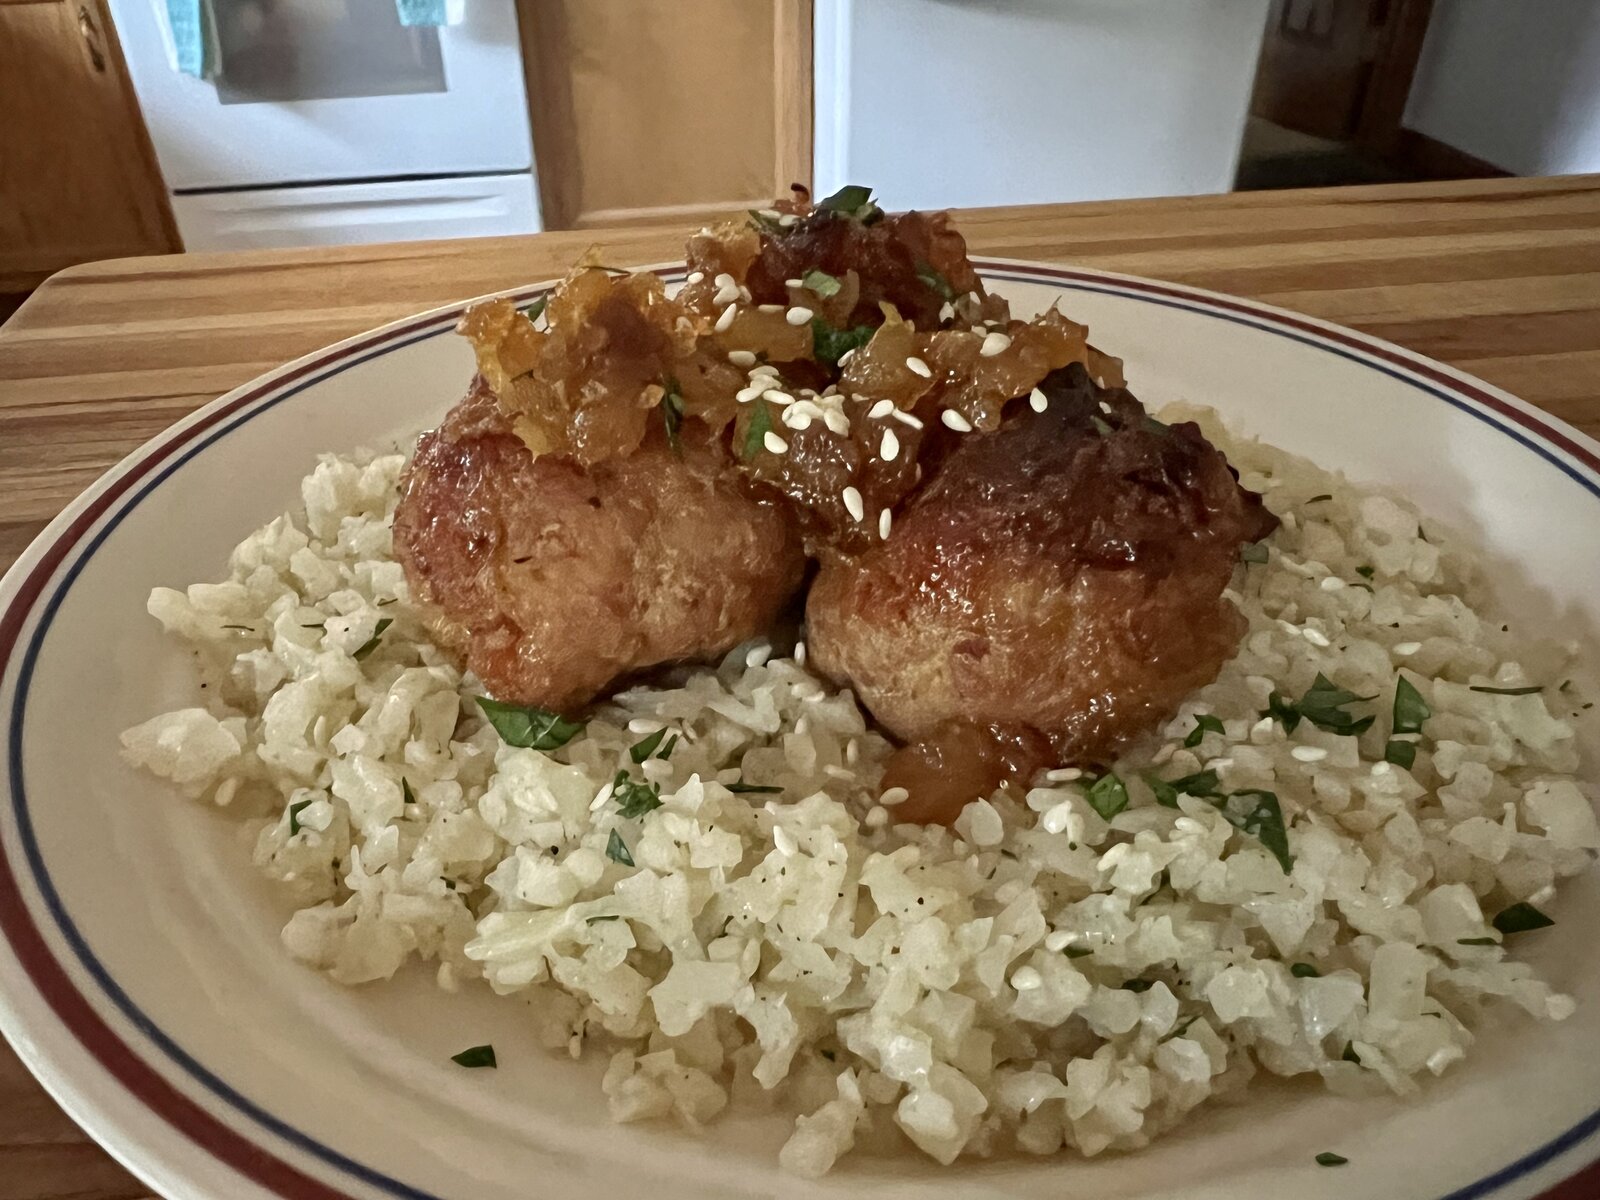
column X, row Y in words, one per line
column 78, row 179
column 644, row 111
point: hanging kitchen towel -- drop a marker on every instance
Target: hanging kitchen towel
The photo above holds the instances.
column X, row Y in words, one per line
column 430, row 12
column 188, row 34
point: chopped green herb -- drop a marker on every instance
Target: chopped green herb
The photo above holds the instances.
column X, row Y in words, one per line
column 245, row 628
column 535, row 310
column 1182, row 1027
column 1365, row 572
column 634, row 798
column 371, row 644
column 764, row 223
column 390, row 600
column 755, row 433
column 666, row 751
column 1255, row 552
column 672, row 415
column 1204, row 723
column 820, row 283
column 828, row 1054
column 935, row 281
column 477, row 1056
column 853, row 200
column 294, row 816
column 740, row 787
column 1410, row 709
column 1201, row 783
column 405, row 791
column 1323, row 705
column 529, row 728
column 617, row 850
column 1319, row 499
column 1283, row 710
column 1350, row 1054
column 1401, row 754
column 1305, row 971
column 1264, row 822
column 829, row 345
column 640, row 751
column 603, row 917
column 315, row 625
column 1107, row 795
column 1150, row 425
column 1329, row 1159
column 1516, row 691
column 1078, row 951
column 1483, row 941
column 1520, row 918
column 1138, row 985
column 1100, row 425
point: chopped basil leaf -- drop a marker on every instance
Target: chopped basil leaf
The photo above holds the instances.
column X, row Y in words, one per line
column 1138, row 985
column 1483, row 941
column 371, row 644
column 294, row 816
column 605, row 917
column 1107, row 795
column 1201, row 783
column 1100, row 425
column 1323, row 705
column 1401, row 754
column 829, row 345
column 477, row 1056
column 529, row 728
column 1078, row 951
column 1365, row 572
column 755, row 433
column 1264, row 822
column 405, row 790
column 1255, row 552
column 740, row 787
column 536, row 309
column 853, row 200
column 1516, row 691
column 1305, row 971
column 617, row 850
column 1410, row 709
column 820, row 283
column 935, row 281
column 1329, row 1159
column 1350, row 1054
column 1520, row 918
column 666, row 751
column 1204, row 723
column 1283, row 710
column 640, row 751
column 634, row 798
column 1318, row 499
column 672, row 415
column 764, row 223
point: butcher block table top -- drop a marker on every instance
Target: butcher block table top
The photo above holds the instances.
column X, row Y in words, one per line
column 1498, row 277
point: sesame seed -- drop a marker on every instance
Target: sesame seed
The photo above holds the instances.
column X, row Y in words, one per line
column 723, row 279
column 947, row 312
column 852, row 751
column 777, row 397
column 954, row 420
column 601, row 797
column 1405, row 648
column 798, row 315
column 695, row 276
column 788, row 221
column 794, row 283
column 1309, row 753
column 757, row 656
column 1332, row 584
column 881, row 409
column 764, row 369
column 769, row 308
column 1317, row 638
column 853, row 503
column 847, row 356
column 1056, row 819
column 770, row 214
column 725, row 320
column 836, row 421
column 784, row 841
column 727, row 290
column 1058, row 940
column 917, row 367
column 889, row 448
column 994, row 343
column 742, row 358
column 885, row 520
column 1038, row 401
column 774, row 443
column 1063, row 774
column 796, row 418
column 877, row 817
column 745, row 395
column 800, row 654
column 906, row 418
column 893, row 796
column 1026, row 979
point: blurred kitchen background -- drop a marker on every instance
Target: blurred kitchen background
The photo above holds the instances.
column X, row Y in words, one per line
column 151, row 126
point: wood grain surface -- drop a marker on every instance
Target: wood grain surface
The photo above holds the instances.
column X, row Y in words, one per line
column 1498, row 277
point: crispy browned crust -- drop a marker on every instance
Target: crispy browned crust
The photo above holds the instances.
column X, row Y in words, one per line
column 553, row 579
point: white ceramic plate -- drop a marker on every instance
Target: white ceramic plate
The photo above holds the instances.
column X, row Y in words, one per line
column 140, row 973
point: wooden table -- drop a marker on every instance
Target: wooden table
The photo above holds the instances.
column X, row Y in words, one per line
column 1499, row 277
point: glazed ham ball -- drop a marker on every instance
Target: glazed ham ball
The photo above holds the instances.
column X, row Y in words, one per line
column 552, row 580
column 1055, row 589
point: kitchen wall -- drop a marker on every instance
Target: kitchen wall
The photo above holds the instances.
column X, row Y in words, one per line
column 971, row 102
column 1517, row 85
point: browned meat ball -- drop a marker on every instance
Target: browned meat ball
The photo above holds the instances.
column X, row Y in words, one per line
column 1060, row 577
column 553, row 580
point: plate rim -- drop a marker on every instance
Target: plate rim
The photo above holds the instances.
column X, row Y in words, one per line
column 29, row 961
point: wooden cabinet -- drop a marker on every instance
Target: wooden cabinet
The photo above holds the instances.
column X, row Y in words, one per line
column 78, row 179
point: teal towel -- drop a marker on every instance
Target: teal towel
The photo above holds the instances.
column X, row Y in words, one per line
column 428, row 12
column 193, row 43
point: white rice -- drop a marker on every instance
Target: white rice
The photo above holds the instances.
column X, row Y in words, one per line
column 961, row 990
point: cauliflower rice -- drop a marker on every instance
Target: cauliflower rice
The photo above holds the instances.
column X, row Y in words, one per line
column 1037, row 977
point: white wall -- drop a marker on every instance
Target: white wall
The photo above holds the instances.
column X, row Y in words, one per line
column 973, row 102
column 1516, row 84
